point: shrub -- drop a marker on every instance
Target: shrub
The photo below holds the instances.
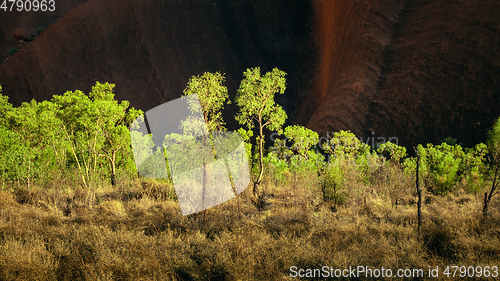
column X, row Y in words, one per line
column 345, row 143
column 392, row 152
column 333, row 183
column 367, row 166
column 302, row 139
column 441, row 164
column 473, row 167
column 278, row 167
column 349, row 151
column 13, row 158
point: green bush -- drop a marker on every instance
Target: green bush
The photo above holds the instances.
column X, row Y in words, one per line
column 345, row 143
column 473, row 168
column 301, row 138
column 392, row 152
column 278, row 168
column 333, row 183
column 367, row 166
column 13, row 157
column 292, row 155
column 441, row 164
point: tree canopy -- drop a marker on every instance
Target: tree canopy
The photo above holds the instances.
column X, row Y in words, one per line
column 212, row 95
column 255, row 99
column 302, row 138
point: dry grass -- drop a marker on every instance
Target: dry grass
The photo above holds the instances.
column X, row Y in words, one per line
column 136, row 232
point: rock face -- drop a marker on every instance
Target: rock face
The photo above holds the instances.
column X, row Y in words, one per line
column 352, row 36
column 150, row 49
column 416, row 70
column 441, row 73
column 20, row 34
column 30, row 23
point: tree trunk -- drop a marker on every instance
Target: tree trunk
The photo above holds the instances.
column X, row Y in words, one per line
column 261, row 160
column 204, row 187
column 205, row 176
column 485, row 206
column 73, row 150
column 487, row 197
column 29, row 172
column 113, row 169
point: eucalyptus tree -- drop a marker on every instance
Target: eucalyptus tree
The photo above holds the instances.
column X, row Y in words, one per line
column 257, row 107
column 112, row 121
column 13, row 153
column 71, row 110
column 212, row 96
column 95, row 127
column 31, row 141
column 195, row 147
column 35, row 126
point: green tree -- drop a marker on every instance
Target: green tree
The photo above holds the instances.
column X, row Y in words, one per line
column 8, row 142
column 197, row 145
column 38, row 151
column 302, row 139
column 72, row 110
column 5, row 108
column 255, row 99
column 212, row 95
column 494, row 161
column 345, row 144
column 392, row 152
column 440, row 165
column 112, row 121
column 13, row 157
column 96, row 127
column 473, row 167
column 36, row 126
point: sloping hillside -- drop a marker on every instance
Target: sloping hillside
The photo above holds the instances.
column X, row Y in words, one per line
column 442, row 73
column 417, row 70
column 30, row 22
column 352, row 36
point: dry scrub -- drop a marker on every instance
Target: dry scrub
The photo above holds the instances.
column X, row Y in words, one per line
column 136, row 232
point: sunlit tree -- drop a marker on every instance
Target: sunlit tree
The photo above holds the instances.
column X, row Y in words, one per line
column 255, row 99
column 95, row 126
column 302, row 139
